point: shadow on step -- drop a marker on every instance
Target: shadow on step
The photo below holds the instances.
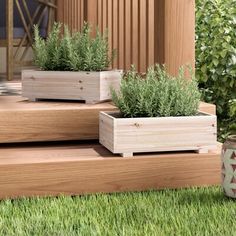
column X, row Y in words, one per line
column 94, row 145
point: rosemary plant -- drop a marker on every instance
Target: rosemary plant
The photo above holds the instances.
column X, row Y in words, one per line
column 72, row 51
column 158, row 94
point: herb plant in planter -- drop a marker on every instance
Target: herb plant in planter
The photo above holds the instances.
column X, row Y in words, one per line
column 157, row 113
column 72, row 66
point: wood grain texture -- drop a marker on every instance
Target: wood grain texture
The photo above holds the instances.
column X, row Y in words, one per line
column 92, row 87
column 23, row 121
column 180, row 29
column 135, row 135
column 207, row 108
column 9, row 20
column 90, row 168
column 72, row 13
column 175, row 33
column 131, row 31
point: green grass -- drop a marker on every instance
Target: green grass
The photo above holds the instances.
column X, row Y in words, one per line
column 203, row 211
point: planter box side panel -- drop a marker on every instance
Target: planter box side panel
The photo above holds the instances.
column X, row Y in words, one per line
column 106, row 131
column 108, row 80
column 60, row 85
column 165, row 134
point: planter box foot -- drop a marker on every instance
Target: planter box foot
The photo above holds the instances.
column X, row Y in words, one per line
column 127, row 154
column 203, row 151
column 92, row 102
column 32, row 99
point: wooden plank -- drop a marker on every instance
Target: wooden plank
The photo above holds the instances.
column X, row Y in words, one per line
column 72, row 13
column 65, row 12
column 60, row 11
column 143, row 35
column 81, row 13
column 151, row 32
column 99, row 15
column 9, row 20
column 92, row 87
column 110, row 25
column 121, row 34
column 159, row 31
column 128, row 28
column 135, row 33
column 139, row 135
column 89, row 168
column 23, row 121
column 104, row 15
column 208, row 108
column 179, row 34
column 92, row 14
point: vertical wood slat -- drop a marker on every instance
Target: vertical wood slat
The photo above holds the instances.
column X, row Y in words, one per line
column 109, row 24
column 179, row 34
column 71, row 13
column 150, row 32
column 175, row 33
column 115, row 33
column 65, row 15
column 121, row 34
column 104, row 14
column 128, row 35
column 135, row 33
column 82, row 14
column 9, row 21
column 143, row 35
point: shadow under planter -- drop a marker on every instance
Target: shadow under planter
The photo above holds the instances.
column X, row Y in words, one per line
column 92, row 87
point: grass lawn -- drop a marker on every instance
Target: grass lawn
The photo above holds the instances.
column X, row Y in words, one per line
column 202, row 211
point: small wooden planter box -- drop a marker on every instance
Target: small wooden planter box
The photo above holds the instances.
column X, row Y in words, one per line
column 126, row 136
column 92, row 87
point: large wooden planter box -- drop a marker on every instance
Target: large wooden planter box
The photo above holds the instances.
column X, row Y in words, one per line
column 126, row 136
column 92, row 87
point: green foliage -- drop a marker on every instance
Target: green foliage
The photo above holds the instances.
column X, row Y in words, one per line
column 216, row 57
column 157, row 95
column 71, row 52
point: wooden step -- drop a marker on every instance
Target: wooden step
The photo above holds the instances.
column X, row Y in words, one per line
column 24, row 121
column 83, row 168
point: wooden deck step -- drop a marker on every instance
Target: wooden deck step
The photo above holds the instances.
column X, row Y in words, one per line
column 83, row 168
column 24, row 121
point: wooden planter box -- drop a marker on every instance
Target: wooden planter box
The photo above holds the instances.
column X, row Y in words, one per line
column 92, row 87
column 126, row 136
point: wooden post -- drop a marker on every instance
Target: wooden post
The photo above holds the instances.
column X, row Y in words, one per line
column 175, row 33
column 9, row 25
